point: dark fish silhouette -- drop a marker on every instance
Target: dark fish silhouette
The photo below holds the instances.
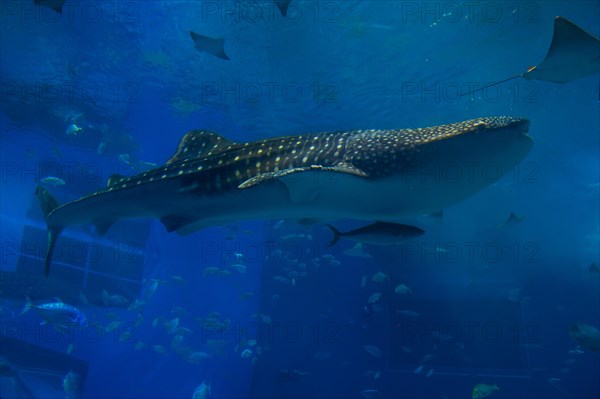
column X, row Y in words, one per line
column 511, row 220
column 378, row 233
column 209, row 45
column 283, row 6
column 585, row 335
column 55, row 5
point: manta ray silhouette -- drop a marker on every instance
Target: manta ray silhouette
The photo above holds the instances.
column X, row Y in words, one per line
column 573, row 54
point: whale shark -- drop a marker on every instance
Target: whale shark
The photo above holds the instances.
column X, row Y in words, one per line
column 370, row 175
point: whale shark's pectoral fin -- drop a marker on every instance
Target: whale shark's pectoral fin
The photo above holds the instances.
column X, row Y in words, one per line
column 304, row 184
column 342, row 167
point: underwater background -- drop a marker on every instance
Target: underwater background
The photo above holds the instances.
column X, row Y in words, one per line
column 266, row 309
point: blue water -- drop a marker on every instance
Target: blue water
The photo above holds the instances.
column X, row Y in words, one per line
column 494, row 305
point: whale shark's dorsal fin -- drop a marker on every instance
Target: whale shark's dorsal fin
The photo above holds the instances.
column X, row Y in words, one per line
column 114, row 179
column 573, row 54
column 198, row 144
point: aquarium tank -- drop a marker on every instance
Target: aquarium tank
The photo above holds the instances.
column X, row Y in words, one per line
column 297, row 199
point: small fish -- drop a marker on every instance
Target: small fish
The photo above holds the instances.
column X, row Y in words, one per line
column 182, row 331
column 575, row 352
column 238, row 267
column 112, row 315
column 136, row 305
column 152, row 286
column 378, row 233
column 112, row 326
column 54, row 181
column 246, row 353
column 586, row 336
column 594, row 268
column 209, row 45
column 281, row 279
column 419, row 369
column 113, row 300
column 427, row 358
column 73, row 130
column 57, row 312
column 202, row 391
column 402, row 289
column 139, row 345
column 197, row 357
column 441, row 336
column 357, row 251
column 429, row 373
column 409, row 313
column 178, row 311
column 370, row 394
column 363, row 281
column 176, row 341
column 373, row 350
column 137, row 165
column 380, row 277
column 70, row 349
column 71, row 384
column 514, row 295
column 210, row 271
column 159, row 349
column 374, row 298
column 171, row 325
column 483, row 391
column 178, row 280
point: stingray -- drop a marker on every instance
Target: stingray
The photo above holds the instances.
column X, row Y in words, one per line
column 573, row 54
column 209, row 45
column 55, row 5
column 283, row 6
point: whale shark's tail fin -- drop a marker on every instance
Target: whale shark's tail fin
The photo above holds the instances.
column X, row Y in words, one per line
column 48, row 203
